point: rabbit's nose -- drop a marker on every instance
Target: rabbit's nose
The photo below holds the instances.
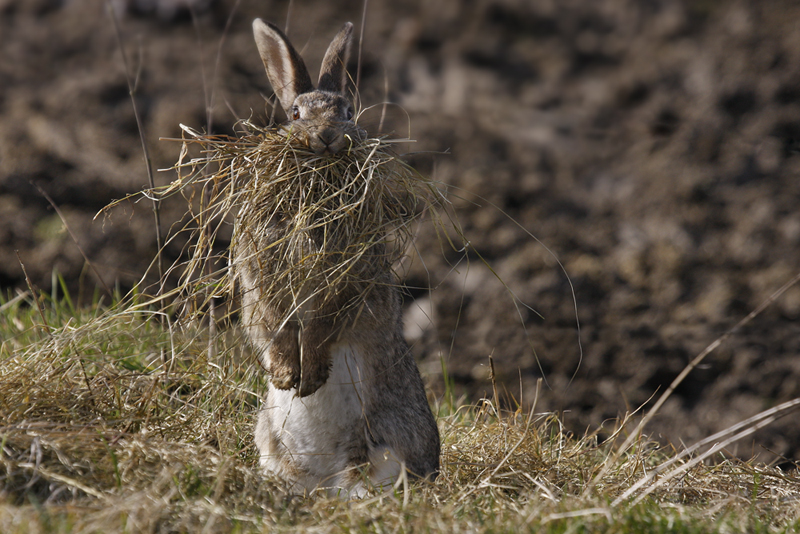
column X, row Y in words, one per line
column 328, row 141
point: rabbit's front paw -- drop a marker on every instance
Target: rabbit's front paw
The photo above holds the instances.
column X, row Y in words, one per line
column 284, row 367
column 316, row 368
column 284, row 376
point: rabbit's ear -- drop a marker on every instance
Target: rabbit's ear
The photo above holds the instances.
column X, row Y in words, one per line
column 285, row 68
column 333, row 74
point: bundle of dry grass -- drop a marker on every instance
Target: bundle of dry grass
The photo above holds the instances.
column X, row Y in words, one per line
column 344, row 218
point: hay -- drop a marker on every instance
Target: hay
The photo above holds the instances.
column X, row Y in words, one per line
column 314, row 224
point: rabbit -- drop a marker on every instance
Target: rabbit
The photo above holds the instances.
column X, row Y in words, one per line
column 345, row 409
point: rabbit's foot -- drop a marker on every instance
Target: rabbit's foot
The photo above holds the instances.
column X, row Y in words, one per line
column 284, row 365
column 284, row 377
column 315, row 370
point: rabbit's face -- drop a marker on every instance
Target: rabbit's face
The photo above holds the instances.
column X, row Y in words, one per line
column 321, row 117
column 324, row 120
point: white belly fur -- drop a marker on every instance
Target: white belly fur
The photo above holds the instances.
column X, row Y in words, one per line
column 316, row 429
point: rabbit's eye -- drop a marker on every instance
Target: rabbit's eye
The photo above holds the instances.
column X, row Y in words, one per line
column 348, row 114
column 295, row 113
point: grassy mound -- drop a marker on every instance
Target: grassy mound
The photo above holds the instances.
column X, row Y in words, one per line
column 113, row 420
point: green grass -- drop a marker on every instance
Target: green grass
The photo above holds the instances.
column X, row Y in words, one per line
column 114, row 419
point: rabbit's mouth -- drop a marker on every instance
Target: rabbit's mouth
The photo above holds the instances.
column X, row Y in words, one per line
column 326, row 141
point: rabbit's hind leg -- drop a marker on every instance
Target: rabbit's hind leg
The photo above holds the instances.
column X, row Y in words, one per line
column 385, row 467
column 379, row 474
column 273, row 456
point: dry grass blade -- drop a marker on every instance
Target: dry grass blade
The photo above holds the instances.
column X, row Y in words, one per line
column 612, row 460
column 720, row 440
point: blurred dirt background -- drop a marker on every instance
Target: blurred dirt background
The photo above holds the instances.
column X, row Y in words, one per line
column 653, row 146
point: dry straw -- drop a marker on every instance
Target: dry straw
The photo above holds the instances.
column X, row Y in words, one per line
column 314, row 223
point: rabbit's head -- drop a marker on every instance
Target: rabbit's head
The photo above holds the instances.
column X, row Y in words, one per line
column 321, row 117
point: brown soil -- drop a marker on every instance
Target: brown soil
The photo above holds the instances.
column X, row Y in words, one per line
column 652, row 146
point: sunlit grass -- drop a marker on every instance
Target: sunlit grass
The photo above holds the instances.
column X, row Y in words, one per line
column 113, row 420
